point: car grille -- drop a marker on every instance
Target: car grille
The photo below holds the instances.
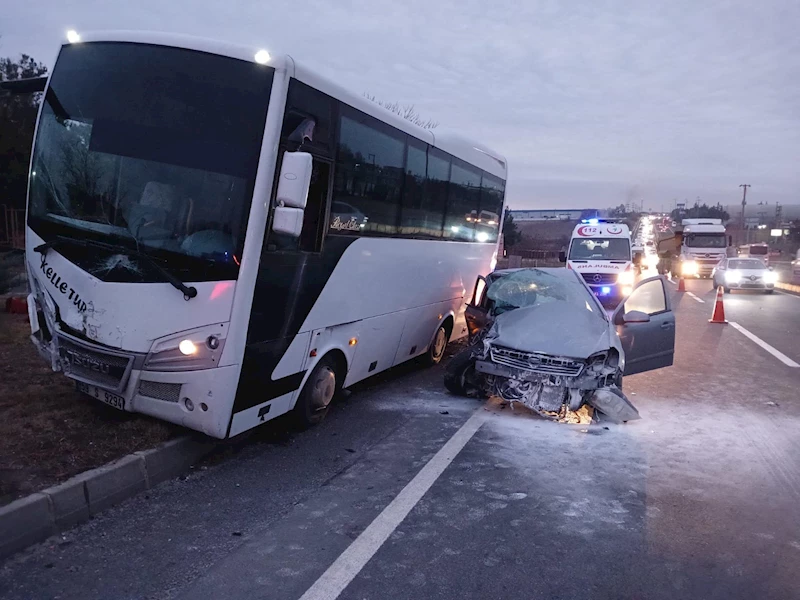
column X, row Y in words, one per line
column 599, row 278
column 538, row 363
column 168, row 392
column 93, row 365
column 752, row 280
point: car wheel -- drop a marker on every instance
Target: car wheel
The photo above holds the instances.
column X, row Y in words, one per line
column 436, row 350
column 457, row 371
column 770, row 291
column 321, row 387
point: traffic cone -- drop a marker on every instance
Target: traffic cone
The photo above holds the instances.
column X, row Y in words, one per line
column 681, row 285
column 718, row 316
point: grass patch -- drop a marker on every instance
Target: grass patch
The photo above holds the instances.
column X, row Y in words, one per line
column 49, row 431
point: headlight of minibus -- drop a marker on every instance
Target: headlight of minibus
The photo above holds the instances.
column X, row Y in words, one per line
column 771, row 277
column 189, row 350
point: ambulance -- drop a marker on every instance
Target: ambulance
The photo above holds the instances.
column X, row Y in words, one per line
column 601, row 252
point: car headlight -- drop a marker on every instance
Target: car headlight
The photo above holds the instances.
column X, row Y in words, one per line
column 771, row 277
column 625, row 278
column 190, row 350
column 689, row 267
column 733, row 277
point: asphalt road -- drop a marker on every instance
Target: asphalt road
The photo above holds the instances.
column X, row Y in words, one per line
column 698, row 499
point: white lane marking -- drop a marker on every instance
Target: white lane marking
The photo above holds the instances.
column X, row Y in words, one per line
column 695, row 297
column 350, row 562
column 782, row 293
column 776, row 353
column 672, row 282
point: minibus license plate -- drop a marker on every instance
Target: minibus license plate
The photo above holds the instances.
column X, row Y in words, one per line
column 100, row 394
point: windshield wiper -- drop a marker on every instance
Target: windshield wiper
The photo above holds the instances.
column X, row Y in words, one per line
column 188, row 291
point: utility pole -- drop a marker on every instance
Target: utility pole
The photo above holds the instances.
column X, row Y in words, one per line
column 744, row 187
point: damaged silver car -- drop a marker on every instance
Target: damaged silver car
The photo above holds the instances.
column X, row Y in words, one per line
column 541, row 338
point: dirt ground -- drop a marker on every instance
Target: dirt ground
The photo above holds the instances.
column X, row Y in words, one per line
column 48, row 430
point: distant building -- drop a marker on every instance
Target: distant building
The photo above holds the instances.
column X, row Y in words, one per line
column 555, row 214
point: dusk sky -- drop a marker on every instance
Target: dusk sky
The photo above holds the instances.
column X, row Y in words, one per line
column 593, row 102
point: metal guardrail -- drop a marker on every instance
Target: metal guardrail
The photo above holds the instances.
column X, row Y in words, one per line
column 13, row 233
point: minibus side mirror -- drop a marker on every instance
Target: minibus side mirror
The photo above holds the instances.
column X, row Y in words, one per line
column 293, row 183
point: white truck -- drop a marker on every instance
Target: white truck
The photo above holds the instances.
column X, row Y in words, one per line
column 601, row 252
column 704, row 245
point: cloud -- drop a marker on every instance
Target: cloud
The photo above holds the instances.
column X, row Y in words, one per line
column 586, row 99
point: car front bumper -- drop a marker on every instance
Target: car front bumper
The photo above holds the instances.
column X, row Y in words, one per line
column 750, row 285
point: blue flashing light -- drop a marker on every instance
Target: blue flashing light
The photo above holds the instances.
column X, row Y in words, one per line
column 605, row 290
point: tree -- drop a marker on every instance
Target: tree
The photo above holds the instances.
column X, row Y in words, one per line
column 701, row 211
column 511, row 233
column 17, row 122
column 407, row 111
column 618, row 211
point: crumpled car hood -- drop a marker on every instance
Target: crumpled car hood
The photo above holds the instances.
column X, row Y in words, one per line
column 555, row 328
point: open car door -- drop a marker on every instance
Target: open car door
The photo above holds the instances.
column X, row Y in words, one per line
column 646, row 327
column 477, row 314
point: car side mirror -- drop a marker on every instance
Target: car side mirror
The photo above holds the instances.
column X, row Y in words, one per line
column 293, row 184
column 635, row 316
column 562, row 256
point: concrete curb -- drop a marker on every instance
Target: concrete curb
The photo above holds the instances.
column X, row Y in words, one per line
column 789, row 287
column 40, row 515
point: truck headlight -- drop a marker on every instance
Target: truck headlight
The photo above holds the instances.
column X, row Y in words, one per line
column 733, row 277
column 689, row 267
column 190, row 350
column 771, row 277
column 626, row 278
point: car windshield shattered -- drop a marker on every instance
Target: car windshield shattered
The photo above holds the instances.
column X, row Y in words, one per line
column 534, row 287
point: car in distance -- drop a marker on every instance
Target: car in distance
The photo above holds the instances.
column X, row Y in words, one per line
column 744, row 274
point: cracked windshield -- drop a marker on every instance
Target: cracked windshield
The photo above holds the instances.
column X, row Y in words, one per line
column 348, row 300
column 126, row 153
